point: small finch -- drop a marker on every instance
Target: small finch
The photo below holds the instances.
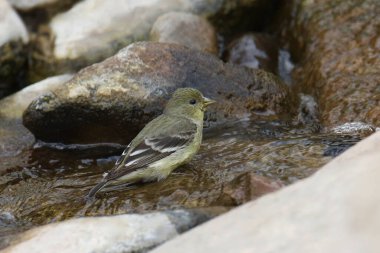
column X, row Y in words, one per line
column 165, row 143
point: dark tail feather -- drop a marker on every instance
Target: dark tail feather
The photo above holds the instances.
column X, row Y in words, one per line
column 97, row 188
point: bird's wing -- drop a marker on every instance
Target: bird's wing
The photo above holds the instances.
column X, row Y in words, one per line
column 154, row 142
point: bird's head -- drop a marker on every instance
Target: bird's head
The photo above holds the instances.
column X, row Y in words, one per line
column 188, row 102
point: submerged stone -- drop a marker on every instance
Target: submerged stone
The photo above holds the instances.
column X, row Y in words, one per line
column 246, row 187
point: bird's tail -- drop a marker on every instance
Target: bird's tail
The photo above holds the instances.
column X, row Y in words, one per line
column 97, row 188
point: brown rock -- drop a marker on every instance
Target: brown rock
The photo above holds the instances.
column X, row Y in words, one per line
column 248, row 186
column 111, row 101
column 337, row 45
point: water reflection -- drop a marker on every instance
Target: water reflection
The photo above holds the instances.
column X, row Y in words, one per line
column 50, row 182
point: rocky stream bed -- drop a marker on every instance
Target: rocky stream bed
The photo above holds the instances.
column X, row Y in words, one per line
column 297, row 83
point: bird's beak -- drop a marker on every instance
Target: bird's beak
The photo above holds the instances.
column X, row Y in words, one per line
column 207, row 101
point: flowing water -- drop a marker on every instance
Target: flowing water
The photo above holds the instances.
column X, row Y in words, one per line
column 49, row 183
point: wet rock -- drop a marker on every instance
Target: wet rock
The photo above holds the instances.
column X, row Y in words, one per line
column 14, row 137
column 76, row 39
column 334, row 210
column 341, row 143
column 254, row 50
column 186, row 29
column 247, row 187
column 13, row 37
column 111, row 101
column 122, row 233
column 352, row 128
column 337, row 48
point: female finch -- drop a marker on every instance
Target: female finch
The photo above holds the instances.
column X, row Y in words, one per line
column 165, row 143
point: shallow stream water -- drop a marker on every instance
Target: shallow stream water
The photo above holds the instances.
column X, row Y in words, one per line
column 49, row 183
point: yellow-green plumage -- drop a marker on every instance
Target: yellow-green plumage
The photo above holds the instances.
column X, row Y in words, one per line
column 164, row 144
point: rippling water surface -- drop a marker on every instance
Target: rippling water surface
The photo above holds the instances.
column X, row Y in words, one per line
column 49, row 183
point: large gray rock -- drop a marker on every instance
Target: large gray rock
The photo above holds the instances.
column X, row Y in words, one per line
column 14, row 137
column 94, row 29
column 335, row 210
column 13, row 37
column 185, row 29
column 111, row 101
column 121, row 233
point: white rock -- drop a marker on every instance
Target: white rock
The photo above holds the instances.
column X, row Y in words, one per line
column 92, row 25
column 14, row 137
column 95, row 29
column 335, row 210
column 123, row 233
column 353, row 128
column 113, row 234
column 11, row 26
column 14, row 105
column 29, row 4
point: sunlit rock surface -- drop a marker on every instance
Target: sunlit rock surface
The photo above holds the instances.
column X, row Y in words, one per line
column 337, row 46
column 185, row 29
column 13, row 37
column 335, row 210
column 111, row 101
column 114, row 234
column 246, row 187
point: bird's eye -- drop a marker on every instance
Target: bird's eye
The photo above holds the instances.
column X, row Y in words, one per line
column 193, row 101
